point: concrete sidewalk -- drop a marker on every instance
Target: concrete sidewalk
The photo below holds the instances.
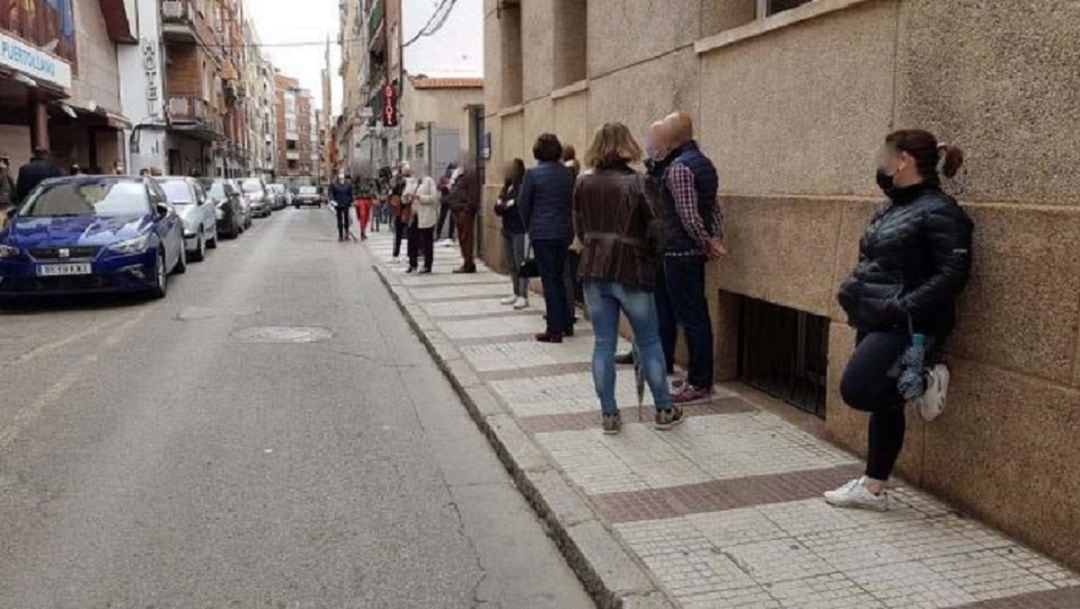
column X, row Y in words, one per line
column 725, row 510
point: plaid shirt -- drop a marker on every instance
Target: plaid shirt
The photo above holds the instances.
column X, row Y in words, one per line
column 680, row 181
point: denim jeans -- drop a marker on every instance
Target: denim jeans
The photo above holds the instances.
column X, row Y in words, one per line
column 680, row 301
column 605, row 299
column 551, row 258
column 514, row 254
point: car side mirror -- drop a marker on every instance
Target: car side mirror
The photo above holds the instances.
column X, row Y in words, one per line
column 162, row 209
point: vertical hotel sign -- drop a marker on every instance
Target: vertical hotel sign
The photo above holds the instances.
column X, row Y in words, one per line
column 389, row 106
column 35, row 63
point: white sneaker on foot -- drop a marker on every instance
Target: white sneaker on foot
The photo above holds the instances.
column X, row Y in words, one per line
column 854, row 494
column 932, row 403
column 509, row 300
column 521, row 303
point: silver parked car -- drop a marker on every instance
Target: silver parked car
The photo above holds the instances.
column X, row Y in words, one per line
column 198, row 215
column 259, row 198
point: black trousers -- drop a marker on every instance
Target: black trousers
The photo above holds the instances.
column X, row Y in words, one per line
column 869, row 385
column 342, row 222
column 421, row 242
column 444, row 213
column 550, row 256
column 400, row 230
column 681, row 301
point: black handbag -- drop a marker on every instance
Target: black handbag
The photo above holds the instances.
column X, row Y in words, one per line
column 529, row 268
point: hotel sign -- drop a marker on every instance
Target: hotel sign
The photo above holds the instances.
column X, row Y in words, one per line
column 35, row 63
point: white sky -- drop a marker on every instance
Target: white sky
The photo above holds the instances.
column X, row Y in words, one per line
column 287, row 21
column 456, row 50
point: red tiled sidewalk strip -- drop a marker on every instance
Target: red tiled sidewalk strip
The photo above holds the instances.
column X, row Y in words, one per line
column 505, row 338
column 577, row 421
column 1063, row 598
column 718, row 495
column 534, row 371
column 476, row 316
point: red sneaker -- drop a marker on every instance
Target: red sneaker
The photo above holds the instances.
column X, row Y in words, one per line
column 692, row 394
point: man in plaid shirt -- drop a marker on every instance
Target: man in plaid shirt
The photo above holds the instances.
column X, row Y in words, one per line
column 694, row 236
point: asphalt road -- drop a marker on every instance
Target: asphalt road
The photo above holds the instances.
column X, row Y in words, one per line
column 174, row 454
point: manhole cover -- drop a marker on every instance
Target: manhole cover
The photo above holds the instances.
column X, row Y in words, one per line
column 282, row 334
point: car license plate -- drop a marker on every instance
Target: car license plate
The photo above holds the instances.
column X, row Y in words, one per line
column 59, row 270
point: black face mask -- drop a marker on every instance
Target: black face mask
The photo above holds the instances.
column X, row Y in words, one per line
column 885, row 181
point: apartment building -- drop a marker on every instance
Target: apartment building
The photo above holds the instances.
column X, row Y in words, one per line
column 294, row 128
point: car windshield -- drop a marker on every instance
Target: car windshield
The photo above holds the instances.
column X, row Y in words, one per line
column 178, row 192
column 252, row 186
column 217, row 190
column 87, row 198
column 308, row 190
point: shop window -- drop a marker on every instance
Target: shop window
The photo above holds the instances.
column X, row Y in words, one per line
column 571, row 41
column 784, row 352
column 509, row 13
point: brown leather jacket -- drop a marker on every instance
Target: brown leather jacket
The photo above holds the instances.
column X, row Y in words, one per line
column 617, row 217
column 465, row 194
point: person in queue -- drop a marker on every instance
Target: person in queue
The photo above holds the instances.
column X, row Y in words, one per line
column 342, row 199
column 401, row 213
column 464, row 203
column 618, row 218
column 690, row 184
column 422, row 196
column 914, row 260
column 513, row 233
column 545, row 204
column 39, row 169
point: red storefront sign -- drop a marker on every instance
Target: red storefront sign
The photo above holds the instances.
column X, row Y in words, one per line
column 389, row 106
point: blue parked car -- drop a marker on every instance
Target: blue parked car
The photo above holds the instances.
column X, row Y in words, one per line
column 92, row 234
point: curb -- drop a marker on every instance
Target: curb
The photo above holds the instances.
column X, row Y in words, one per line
column 610, row 574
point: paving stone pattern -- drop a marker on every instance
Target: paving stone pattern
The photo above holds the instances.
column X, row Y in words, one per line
column 725, row 510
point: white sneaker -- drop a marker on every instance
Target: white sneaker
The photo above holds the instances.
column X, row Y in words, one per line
column 509, row 300
column 855, row 495
column 676, row 384
column 521, row 303
column 932, row 403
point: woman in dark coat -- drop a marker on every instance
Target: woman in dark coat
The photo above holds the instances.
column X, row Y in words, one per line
column 513, row 233
column 914, row 260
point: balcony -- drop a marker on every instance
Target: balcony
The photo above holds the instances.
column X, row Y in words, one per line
column 182, row 22
column 292, row 155
column 191, row 115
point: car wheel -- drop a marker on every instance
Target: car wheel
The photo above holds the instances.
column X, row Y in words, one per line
column 181, row 265
column 161, row 278
column 200, row 249
column 212, row 244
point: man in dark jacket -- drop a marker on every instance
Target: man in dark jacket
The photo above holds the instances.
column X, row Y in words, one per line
column 692, row 215
column 341, row 197
column 464, row 202
column 39, row 169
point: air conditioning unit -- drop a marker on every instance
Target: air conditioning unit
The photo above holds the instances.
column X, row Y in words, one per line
column 173, row 9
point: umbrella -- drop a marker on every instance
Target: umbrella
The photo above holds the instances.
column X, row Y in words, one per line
column 639, row 379
column 912, row 381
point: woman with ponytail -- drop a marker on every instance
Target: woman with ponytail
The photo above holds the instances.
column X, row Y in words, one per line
column 914, row 260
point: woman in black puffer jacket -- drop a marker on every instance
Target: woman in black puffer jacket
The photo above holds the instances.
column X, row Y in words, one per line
column 914, row 260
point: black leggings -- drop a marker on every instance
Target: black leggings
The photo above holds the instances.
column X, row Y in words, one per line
column 342, row 222
column 869, row 385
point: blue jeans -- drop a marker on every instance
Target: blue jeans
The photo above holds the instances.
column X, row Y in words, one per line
column 551, row 258
column 605, row 299
column 680, row 299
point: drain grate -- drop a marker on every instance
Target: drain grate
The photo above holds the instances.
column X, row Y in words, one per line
column 282, row 334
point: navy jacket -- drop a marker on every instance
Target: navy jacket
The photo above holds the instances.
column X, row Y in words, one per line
column 33, row 173
column 546, row 202
column 341, row 194
column 706, row 183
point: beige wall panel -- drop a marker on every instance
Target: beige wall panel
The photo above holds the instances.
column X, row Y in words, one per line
column 492, row 65
column 539, row 118
column 513, row 139
column 1021, row 310
column 856, row 216
column 999, row 79
column 538, row 48
column 571, row 122
column 782, row 250
column 720, row 15
column 622, row 32
column 645, row 92
column 804, row 109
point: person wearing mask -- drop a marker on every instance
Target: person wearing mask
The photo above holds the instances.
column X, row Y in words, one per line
column 444, row 184
column 464, row 202
column 545, row 203
column 7, row 185
column 400, row 211
column 513, row 233
column 341, row 199
column 422, row 196
column 617, row 217
column 692, row 215
column 914, row 261
column 39, row 169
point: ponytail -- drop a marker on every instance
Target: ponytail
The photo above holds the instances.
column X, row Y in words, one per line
column 926, row 151
column 953, row 159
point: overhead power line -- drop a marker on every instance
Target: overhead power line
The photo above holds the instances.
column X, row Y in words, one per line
column 435, row 23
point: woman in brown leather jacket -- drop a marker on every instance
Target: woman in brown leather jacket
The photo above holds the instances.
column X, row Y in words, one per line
column 616, row 220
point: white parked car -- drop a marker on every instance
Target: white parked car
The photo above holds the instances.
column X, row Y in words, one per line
column 198, row 215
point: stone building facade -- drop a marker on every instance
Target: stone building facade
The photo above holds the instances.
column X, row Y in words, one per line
column 792, row 99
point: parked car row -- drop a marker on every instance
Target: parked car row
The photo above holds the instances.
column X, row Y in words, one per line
column 80, row 234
